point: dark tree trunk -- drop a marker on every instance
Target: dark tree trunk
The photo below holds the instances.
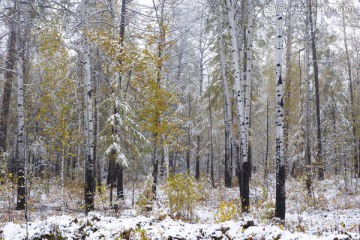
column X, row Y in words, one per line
column 319, row 157
column 111, row 171
column 174, row 163
column 227, row 158
column 211, row 146
column 155, row 170
column 245, row 191
column 9, row 77
column 89, row 184
column 111, row 177
column 68, row 164
column 118, row 171
column 98, row 170
column 334, row 129
column 267, row 146
column 197, row 162
column 162, row 165
column 280, row 194
column 120, row 182
column 111, row 192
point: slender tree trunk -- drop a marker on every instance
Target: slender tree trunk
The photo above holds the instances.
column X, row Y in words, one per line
column 120, row 182
column 167, row 160
column 21, row 155
column 62, row 179
column 237, row 61
column 211, row 145
column 201, row 66
column 160, row 49
column 111, row 192
column 307, row 107
column 288, row 81
column 267, row 146
column 319, row 157
column 197, row 161
column 229, row 134
column 356, row 156
column 188, row 137
column 97, row 172
column 227, row 173
column 120, row 169
column 248, row 76
column 97, row 130
column 280, row 161
column 9, row 77
column 336, row 163
column 155, row 169
column 89, row 163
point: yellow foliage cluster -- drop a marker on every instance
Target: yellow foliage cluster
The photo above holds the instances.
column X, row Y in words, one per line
column 227, row 211
column 57, row 89
column 182, row 191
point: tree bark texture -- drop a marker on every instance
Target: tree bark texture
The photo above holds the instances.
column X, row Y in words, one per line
column 89, row 134
column 279, row 108
column 9, row 77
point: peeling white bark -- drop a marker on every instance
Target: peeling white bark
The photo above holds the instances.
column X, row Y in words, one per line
column 279, row 89
column 249, row 65
column 237, row 61
column 228, row 118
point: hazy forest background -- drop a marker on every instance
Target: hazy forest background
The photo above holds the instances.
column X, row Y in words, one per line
column 205, row 111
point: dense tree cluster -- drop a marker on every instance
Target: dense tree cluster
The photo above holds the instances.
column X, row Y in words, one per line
column 102, row 92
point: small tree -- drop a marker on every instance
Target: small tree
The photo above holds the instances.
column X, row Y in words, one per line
column 183, row 194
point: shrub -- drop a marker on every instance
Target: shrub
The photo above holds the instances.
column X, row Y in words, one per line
column 183, row 194
column 268, row 210
column 227, row 211
column 145, row 199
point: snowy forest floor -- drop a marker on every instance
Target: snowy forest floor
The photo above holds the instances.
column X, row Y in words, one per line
column 331, row 212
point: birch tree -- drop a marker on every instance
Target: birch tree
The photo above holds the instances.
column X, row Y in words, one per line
column 229, row 132
column 9, row 77
column 21, row 158
column 237, row 61
column 89, row 128
column 279, row 108
column 247, row 101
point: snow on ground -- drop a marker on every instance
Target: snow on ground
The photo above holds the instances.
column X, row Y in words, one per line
column 331, row 212
column 96, row 226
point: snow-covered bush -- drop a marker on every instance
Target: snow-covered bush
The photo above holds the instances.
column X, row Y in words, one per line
column 183, row 194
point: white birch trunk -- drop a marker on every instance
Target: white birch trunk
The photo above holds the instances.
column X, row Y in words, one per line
column 228, row 118
column 89, row 165
column 237, row 65
column 279, row 88
column 21, row 197
column 280, row 163
column 248, row 71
